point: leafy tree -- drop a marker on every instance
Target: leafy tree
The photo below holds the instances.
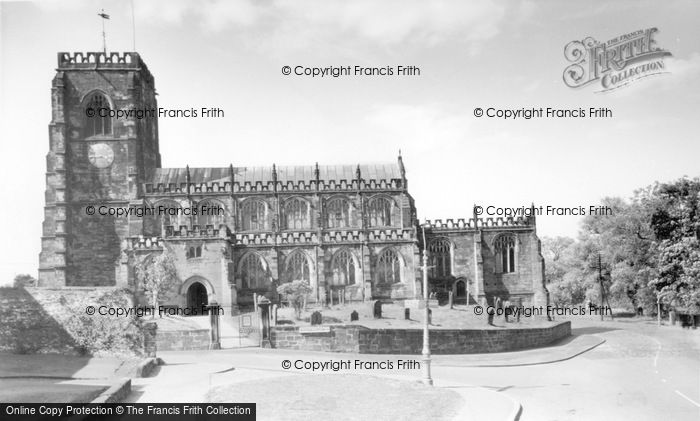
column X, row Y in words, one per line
column 676, row 224
column 157, row 274
column 296, row 292
column 24, row 280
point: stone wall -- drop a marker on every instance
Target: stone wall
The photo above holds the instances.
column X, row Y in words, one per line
column 182, row 340
column 359, row 339
column 39, row 320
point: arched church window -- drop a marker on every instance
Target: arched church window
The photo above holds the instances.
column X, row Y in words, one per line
column 504, row 247
column 297, row 214
column 97, row 119
column 168, row 220
column 297, row 267
column 388, row 269
column 338, row 213
column 440, row 258
column 208, row 215
column 380, row 212
column 343, row 268
column 253, row 272
column 254, row 215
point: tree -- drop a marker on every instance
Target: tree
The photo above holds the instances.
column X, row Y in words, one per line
column 157, row 274
column 296, row 292
column 24, row 280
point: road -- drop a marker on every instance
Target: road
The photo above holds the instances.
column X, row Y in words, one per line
column 640, row 372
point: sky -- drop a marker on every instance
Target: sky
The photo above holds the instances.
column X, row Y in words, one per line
column 501, row 54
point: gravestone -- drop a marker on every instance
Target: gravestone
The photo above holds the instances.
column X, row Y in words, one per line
column 377, row 309
column 407, row 314
column 354, row 316
column 316, row 318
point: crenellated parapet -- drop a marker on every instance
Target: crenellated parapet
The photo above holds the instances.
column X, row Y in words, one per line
column 330, row 186
column 142, row 243
column 388, row 235
column 101, row 61
column 479, row 223
column 196, row 231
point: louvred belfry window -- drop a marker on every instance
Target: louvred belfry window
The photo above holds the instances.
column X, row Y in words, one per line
column 97, row 119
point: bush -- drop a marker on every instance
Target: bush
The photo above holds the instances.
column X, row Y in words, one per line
column 296, row 292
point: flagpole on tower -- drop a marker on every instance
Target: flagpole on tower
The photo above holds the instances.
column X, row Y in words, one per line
column 104, row 17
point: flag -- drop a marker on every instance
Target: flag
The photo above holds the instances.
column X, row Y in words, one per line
column 103, row 15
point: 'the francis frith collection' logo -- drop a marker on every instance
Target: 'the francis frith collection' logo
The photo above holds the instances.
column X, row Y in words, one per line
column 616, row 62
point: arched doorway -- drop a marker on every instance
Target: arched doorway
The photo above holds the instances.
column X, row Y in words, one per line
column 461, row 289
column 197, row 298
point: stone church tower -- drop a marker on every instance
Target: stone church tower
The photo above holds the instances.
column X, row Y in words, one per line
column 94, row 158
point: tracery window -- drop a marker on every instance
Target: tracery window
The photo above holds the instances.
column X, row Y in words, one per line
column 297, row 267
column 379, row 212
column 440, row 258
column 254, row 215
column 253, row 272
column 296, row 213
column 338, row 213
column 388, row 269
column 97, row 119
column 169, row 220
column 343, row 268
column 208, row 216
column 504, row 247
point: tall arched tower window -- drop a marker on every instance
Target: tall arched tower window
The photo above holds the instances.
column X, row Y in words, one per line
column 338, row 213
column 504, row 247
column 297, row 214
column 253, row 272
column 379, row 212
column 97, row 119
column 254, row 216
column 343, row 268
column 440, row 258
column 388, row 269
column 297, row 267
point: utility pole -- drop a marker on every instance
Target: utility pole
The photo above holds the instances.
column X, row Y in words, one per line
column 602, row 290
column 427, row 379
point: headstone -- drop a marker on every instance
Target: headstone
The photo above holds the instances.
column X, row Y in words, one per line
column 316, row 318
column 354, row 316
column 377, row 309
column 407, row 314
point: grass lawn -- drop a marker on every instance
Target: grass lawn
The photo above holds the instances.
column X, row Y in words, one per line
column 48, row 391
column 341, row 397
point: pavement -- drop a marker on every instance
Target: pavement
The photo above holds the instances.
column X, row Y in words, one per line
column 187, row 376
column 622, row 369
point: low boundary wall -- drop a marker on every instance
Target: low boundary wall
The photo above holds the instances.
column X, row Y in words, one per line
column 362, row 340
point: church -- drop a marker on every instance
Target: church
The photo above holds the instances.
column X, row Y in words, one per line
column 351, row 231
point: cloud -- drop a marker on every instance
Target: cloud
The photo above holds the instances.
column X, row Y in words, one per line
column 425, row 128
column 300, row 23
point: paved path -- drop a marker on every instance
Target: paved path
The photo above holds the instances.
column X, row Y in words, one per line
column 607, row 371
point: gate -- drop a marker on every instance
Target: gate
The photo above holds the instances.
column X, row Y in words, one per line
column 240, row 331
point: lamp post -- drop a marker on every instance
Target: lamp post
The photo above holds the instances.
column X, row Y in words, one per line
column 426, row 330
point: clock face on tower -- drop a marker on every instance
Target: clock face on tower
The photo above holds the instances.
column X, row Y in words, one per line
column 101, row 155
